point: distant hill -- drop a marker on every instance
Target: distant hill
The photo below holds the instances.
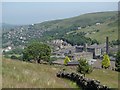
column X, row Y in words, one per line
column 95, row 26
column 87, row 23
column 6, row 27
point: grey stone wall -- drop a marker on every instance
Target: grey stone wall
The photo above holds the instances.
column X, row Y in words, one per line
column 82, row 82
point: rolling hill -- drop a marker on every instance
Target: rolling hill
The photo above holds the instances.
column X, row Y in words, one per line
column 58, row 29
column 108, row 27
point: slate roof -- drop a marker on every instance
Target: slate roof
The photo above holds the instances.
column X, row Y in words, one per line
column 97, row 46
column 74, row 63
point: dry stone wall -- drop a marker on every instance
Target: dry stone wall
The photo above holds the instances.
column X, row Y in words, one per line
column 82, row 82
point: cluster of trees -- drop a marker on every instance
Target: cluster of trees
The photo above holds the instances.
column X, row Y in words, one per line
column 14, row 53
column 78, row 39
column 72, row 38
column 115, row 42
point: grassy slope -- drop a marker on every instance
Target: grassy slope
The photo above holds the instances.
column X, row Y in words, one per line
column 104, row 30
column 85, row 19
column 89, row 19
column 106, row 77
column 22, row 74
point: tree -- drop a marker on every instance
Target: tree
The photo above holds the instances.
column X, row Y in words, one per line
column 84, row 67
column 66, row 60
column 117, row 63
column 37, row 51
column 106, row 61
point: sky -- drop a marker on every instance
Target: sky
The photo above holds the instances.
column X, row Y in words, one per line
column 60, row 0
column 19, row 13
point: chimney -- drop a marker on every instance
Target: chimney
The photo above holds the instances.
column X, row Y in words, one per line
column 107, row 46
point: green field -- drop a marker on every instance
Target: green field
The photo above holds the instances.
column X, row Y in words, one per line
column 18, row 74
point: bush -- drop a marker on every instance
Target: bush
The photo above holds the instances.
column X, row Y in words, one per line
column 66, row 60
column 106, row 61
column 84, row 67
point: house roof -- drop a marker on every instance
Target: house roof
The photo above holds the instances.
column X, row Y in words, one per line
column 60, row 61
column 96, row 46
column 93, row 46
column 73, row 63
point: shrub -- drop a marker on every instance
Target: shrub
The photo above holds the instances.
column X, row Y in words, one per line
column 66, row 60
column 106, row 61
column 84, row 67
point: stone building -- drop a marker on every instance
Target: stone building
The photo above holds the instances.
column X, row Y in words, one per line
column 95, row 49
column 77, row 56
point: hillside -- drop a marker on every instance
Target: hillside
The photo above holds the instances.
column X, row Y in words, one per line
column 61, row 28
column 18, row 74
column 6, row 27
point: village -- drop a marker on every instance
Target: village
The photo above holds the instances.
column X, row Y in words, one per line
column 93, row 53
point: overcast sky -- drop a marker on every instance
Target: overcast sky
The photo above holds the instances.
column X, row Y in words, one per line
column 34, row 12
